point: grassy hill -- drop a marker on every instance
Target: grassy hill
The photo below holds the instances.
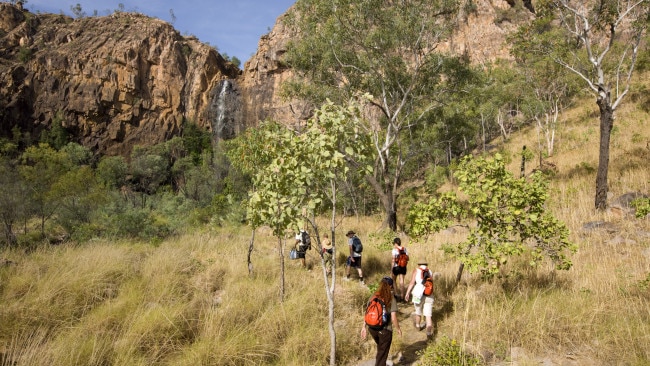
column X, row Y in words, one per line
column 191, row 301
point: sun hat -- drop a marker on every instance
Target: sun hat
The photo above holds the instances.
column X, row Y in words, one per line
column 422, row 261
column 350, row 233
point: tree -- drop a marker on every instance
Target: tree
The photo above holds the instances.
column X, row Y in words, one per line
column 598, row 41
column 14, row 202
column 41, row 167
column 78, row 12
column 78, row 194
column 112, row 171
column 299, row 173
column 510, row 218
column 388, row 50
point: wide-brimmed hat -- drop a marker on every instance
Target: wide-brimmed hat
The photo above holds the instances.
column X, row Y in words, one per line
column 350, row 233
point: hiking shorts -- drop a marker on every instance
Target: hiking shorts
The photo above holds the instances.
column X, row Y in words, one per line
column 425, row 307
column 355, row 264
column 397, row 270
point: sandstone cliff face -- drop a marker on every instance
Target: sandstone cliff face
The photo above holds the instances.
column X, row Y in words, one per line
column 127, row 79
column 478, row 36
column 115, row 81
column 262, row 78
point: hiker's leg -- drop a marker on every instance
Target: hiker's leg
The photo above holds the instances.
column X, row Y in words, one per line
column 358, row 264
column 418, row 314
column 427, row 311
column 383, row 346
column 348, row 264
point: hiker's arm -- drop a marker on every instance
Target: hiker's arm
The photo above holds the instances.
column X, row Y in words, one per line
column 393, row 319
column 364, row 333
column 411, row 284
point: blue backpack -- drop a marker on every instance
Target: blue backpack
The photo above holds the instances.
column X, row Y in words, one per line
column 356, row 245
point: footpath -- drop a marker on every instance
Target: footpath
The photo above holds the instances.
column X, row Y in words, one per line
column 404, row 349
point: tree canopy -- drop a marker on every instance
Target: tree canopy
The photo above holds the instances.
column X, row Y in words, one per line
column 389, row 50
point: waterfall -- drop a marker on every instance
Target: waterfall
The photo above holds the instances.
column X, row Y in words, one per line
column 220, row 120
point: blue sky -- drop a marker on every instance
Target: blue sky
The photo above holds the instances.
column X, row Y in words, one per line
column 234, row 27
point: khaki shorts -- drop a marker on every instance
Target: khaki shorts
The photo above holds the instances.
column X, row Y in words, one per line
column 425, row 307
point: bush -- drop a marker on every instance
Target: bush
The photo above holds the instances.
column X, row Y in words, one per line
column 641, row 206
column 447, row 352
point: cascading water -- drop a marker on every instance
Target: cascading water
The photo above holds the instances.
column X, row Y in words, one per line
column 225, row 110
column 219, row 122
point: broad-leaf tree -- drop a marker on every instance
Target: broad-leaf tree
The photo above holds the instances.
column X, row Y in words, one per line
column 508, row 218
column 598, row 41
column 299, row 177
column 388, row 49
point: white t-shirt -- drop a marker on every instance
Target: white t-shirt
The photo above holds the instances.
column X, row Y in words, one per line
column 396, row 253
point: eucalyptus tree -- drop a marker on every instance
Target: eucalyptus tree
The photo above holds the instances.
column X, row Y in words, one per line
column 598, row 41
column 388, row 49
column 40, row 168
column 14, row 201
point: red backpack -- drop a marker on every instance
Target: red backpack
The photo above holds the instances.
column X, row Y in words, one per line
column 376, row 316
column 402, row 258
column 427, row 281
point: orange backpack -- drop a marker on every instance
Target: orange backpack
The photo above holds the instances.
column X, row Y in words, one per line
column 427, row 281
column 402, row 258
column 376, row 316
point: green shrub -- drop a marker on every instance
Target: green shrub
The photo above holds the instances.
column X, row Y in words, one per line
column 447, row 352
column 24, row 54
column 642, row 207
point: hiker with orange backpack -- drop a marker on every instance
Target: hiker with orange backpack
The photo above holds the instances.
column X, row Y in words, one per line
column 400, row 259
column 420, row 289
column 380, row 319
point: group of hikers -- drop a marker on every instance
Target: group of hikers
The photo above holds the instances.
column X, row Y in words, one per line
column 380, row 318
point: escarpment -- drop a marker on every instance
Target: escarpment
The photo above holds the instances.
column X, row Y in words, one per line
column 118, row 81
column 113, row 82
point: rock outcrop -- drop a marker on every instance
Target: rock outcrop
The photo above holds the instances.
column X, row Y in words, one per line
column 481, row 35
column 113, row 82
column 125, row 79
column 262, row 78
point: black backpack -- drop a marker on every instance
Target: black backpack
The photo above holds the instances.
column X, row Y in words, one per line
column 306, row 240
column 357, row 247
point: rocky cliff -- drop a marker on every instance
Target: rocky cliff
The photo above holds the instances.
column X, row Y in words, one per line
column 481, row 35
column 127, row 79
column 113, row 82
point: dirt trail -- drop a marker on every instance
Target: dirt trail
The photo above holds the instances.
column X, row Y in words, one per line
column 403, row 350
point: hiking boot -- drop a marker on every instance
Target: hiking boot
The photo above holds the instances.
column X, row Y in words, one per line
column 429, row 332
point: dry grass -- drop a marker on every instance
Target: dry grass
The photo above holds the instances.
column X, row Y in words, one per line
column 190, row 301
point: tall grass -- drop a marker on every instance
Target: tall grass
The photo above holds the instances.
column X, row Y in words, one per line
column 191, row 300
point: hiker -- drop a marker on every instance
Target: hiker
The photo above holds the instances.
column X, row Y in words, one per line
column 423, row 303
column 301, row 246
column 383, row 336
column 399, row 261
column 327, row 253
column 354, row 260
